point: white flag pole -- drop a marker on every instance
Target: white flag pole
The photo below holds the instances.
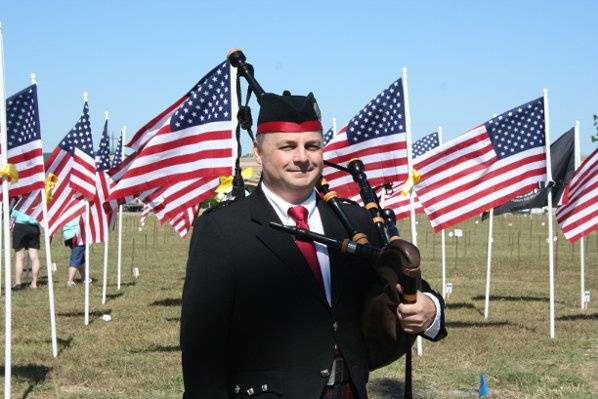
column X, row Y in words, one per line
column 106, row 245
column 582, row 261
column 6, row 233
column 408, row 140
column 333, row 127
column 550, row 229
column 489, row 263
column 51, row 301
column 489, row 259
column 120, row 217
column 86, row 282
column 86, row 240
column 442, row 238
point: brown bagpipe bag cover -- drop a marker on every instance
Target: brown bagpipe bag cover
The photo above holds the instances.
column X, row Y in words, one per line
column 385, row 339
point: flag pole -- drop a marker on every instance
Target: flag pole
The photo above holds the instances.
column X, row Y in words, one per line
column 550, row 229
column 120, row 216
column 488, row 263
column 442, row 238
column 408, row 140
column 6, row 233
column 86, row 240
column 106, row 245
column 42, row 193
column 489, row 259
column 582, row 263
column 333, row 127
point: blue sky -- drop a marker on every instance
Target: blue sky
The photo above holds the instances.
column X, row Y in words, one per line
column 466, row 59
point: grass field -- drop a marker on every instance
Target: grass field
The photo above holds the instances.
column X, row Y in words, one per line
column 136, row 355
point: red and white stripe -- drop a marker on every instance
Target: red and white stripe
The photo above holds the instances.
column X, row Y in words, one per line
column 100, row 216
column 30, row 204
column 463, row 177
column 400, row 203
column 168, row 158
column 83, row 174
column 578, row 216
column 184, row 220
column 160, row 124
column 385, row 161
column 65, row 204
column 169, row 202
column 29, row 162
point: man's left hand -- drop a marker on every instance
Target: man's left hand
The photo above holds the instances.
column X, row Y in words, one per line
column 416, row 317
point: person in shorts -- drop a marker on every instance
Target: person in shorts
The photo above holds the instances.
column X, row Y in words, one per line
column 25, row 238
column 69, row 234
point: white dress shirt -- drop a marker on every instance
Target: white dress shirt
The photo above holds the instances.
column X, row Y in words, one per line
column 314, row 220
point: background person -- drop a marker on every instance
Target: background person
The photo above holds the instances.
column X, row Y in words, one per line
column 70, row 232
column 25, row 238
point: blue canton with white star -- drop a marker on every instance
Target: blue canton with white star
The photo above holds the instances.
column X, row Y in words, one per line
column 208, row 101
column 383, row 116
column 22, row 117
column 327, row 136
column 103, row 153
column 425, row 144
column 118, row 151
column 80, row 135
column 517, row 130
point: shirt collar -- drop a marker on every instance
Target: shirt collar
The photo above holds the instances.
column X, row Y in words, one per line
column 281, row 206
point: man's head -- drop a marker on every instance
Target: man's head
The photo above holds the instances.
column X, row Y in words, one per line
column 288, row 145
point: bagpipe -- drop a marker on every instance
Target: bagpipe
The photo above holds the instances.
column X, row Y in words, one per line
column 397, row 261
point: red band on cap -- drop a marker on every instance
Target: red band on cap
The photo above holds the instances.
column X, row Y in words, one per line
column 289, row 127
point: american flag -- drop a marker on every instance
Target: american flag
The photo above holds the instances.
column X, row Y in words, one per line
column 24, row 142
column 118, row 152
column 393, row 198
column 168, row 202
column 191, row 139
column 30, row 204
column 578, row 216
column 377, row 136
column 100, row 217
column 328, row 135
column 484, row 167
column 73, row 164
column 184, row 220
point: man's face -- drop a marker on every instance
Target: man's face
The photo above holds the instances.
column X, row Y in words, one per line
column 291, row 163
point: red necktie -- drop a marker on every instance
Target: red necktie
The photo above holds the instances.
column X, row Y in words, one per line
column 307, row 248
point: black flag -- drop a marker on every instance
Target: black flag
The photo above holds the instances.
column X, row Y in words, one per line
column 563, row 163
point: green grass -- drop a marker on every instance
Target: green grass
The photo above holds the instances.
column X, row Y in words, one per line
column 136, row 354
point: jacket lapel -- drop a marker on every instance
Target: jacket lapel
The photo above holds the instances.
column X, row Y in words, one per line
column 280, row 243
column 333, row 228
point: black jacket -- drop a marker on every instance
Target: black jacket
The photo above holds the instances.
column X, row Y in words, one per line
column 253, row 315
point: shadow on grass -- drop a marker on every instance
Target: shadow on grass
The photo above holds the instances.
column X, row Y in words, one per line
column 130, row 284
column 34, row 374
column 463, row 305
column 168, row 302
column 63, row 343
column 159, row 348
column 512, row 298
column 467, row 324
column 592, row 316
column 95, row 313
column 177, row 319
column 387, row 388
column 113, row 296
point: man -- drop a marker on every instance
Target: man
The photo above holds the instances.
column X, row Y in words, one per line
column 25, row 238
column 265, row 315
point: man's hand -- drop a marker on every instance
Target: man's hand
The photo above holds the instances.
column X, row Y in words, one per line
column 416, row 317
